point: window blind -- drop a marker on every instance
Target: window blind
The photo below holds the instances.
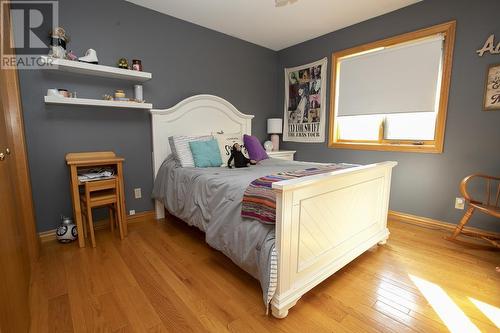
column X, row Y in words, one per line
column 399, row 79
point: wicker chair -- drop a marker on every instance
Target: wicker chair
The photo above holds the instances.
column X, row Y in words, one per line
column 487, row 206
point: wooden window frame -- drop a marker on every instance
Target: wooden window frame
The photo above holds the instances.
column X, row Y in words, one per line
column 419, row 146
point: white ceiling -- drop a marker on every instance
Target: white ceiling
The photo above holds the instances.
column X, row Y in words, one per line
column 262, row 23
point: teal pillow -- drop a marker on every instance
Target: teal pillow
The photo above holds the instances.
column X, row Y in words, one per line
column 205, row 153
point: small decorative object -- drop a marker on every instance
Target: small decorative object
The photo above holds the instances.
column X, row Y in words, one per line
column 90, row 57
column 275, row 127
column 492, row 89
column 64, row 92
column 138, row 93
column 71, row 56
column 53, row 92
column 268, row 146
column 107, row 97
column 119, row 93
column 58, row 41
column 123, row 63
column 489, row 46
column 137, row 65
column 66, row 232
column 240, row 160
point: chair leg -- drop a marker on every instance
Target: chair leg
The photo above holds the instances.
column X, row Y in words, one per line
column 492, row 241
column 84, row 219
column 119, row 219
column 91, row 226
column 463, row 222
column 111, row 219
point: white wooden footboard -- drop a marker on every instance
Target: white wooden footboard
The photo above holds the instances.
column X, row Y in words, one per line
column 323, row 222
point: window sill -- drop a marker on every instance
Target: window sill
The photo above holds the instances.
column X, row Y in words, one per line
column 431, row 149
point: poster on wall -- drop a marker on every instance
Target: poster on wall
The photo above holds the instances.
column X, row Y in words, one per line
column 305, row 102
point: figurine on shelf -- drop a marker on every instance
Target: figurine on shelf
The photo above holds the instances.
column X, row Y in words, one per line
column 58, row 41
column 70, row 55
column 123, row 63
column 64, row 93
column 137, row 65
column 89, row 57
column 107, row 97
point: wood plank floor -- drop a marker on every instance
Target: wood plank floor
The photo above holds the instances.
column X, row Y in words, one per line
column 164, row 278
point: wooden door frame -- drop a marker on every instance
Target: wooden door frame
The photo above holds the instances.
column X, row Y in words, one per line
column 9, row 89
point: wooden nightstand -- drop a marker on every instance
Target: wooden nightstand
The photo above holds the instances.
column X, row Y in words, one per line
column 282, row 154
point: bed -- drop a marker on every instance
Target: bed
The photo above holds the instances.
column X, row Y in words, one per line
column 322, row 222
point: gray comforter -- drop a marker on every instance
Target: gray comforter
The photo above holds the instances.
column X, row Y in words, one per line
column 210, row 199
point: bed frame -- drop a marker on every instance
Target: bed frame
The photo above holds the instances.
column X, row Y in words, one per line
column 323, row 222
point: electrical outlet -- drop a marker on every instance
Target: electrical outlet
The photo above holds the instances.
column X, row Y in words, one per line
column 131, row 212
column 137, row 193
column 459, row 203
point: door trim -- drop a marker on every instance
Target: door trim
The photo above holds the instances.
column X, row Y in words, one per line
column 9, row 88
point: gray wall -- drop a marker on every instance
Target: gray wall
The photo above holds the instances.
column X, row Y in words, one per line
column 425, row 184
column 185, row 59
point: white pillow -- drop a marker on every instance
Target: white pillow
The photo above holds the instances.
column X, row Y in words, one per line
column 179, row 144
column 226, row 142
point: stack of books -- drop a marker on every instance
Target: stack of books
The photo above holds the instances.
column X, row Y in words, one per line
column 95, row 174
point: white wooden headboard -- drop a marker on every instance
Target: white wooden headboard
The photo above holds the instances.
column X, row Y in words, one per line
column 196, row 115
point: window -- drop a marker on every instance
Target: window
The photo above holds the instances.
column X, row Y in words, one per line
column 393, row 94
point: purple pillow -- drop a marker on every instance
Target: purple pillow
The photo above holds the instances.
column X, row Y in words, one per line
column 254, row 148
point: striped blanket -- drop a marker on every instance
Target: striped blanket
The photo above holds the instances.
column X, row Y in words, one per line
column 259, row 199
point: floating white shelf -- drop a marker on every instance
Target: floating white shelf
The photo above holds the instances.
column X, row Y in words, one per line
column 96, row 70
column 96, row 102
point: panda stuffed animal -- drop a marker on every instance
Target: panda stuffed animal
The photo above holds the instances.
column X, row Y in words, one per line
column 240, row 161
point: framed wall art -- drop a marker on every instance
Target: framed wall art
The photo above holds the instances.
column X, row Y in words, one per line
column 492, row 90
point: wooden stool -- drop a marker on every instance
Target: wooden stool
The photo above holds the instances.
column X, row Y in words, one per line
column 97, row 159
column 100, row 193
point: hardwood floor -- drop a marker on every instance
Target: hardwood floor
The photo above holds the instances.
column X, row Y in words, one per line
column 164, row 278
